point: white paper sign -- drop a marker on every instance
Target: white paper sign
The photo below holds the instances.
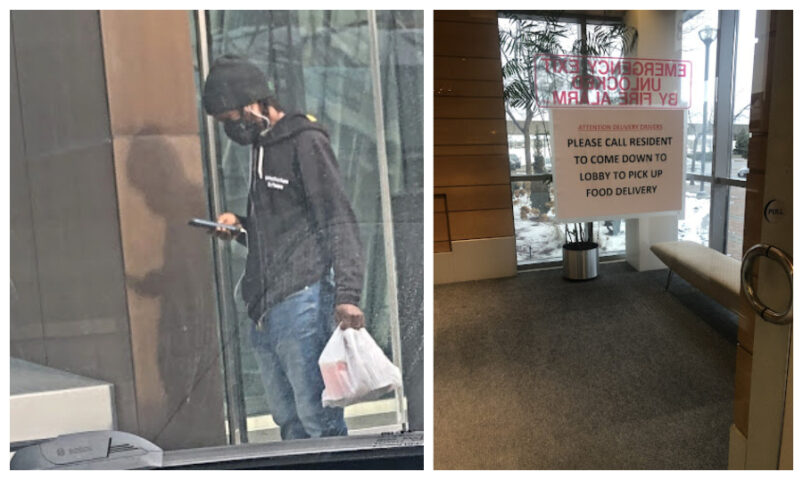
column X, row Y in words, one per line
column 617, row 163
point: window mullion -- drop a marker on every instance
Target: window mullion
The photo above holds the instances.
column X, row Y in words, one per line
column 723, row 128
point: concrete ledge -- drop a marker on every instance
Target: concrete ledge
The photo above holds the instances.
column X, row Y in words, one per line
column 476, row 260
column 46, row 403
column 365, row 418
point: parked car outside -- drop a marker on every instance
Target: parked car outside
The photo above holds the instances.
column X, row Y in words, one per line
column 515, row 162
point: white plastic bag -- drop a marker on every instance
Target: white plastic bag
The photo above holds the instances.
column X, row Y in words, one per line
column 355, row 369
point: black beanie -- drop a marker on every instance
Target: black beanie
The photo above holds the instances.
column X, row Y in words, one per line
column 233, row 82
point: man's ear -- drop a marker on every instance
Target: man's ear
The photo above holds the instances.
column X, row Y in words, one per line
column 272, row 114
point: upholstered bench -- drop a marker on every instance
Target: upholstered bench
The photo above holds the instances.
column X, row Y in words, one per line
column 713, row 273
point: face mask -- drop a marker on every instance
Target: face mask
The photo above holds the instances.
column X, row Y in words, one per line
column 245, row 132
column 242, row 131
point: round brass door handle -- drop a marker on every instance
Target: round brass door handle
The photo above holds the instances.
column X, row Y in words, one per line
column 778, row 255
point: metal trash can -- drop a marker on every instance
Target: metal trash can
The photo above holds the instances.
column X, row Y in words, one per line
column 580, row 260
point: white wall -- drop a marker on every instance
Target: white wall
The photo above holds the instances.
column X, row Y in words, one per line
column 476, row 260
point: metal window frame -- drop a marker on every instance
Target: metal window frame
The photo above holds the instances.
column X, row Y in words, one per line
column 387, row 213
column 227, row 316
column 608, row 17
column 728, row 30
column 538, row 177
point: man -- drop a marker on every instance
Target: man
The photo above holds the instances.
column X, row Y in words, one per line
column 300, row 229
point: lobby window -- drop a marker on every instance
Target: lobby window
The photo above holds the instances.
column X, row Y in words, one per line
column 720, row 45
column 539, row 237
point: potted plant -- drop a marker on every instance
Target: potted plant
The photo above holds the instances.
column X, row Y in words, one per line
column 580, row 252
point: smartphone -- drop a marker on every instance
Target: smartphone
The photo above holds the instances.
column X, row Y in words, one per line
column 210, row 225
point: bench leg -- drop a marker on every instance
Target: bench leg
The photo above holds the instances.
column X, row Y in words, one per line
column 668, row 278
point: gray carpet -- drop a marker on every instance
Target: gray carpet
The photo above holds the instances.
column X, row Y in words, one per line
column 536, row 372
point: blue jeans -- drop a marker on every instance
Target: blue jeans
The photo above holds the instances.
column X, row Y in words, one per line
column 287, row 346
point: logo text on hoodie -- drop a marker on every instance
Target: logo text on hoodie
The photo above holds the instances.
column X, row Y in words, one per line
column 277, row 183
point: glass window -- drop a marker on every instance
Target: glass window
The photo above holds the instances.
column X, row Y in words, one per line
column 319, row 63
column 539, row 151
column 745, row 49
column 699, row 42
column 539, row 238
column 696, row 212
column 701, row 32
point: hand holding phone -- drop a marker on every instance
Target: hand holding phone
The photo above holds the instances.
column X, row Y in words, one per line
column 226, row 227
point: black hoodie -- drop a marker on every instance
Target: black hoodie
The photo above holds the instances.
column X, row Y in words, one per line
column 300, row 224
